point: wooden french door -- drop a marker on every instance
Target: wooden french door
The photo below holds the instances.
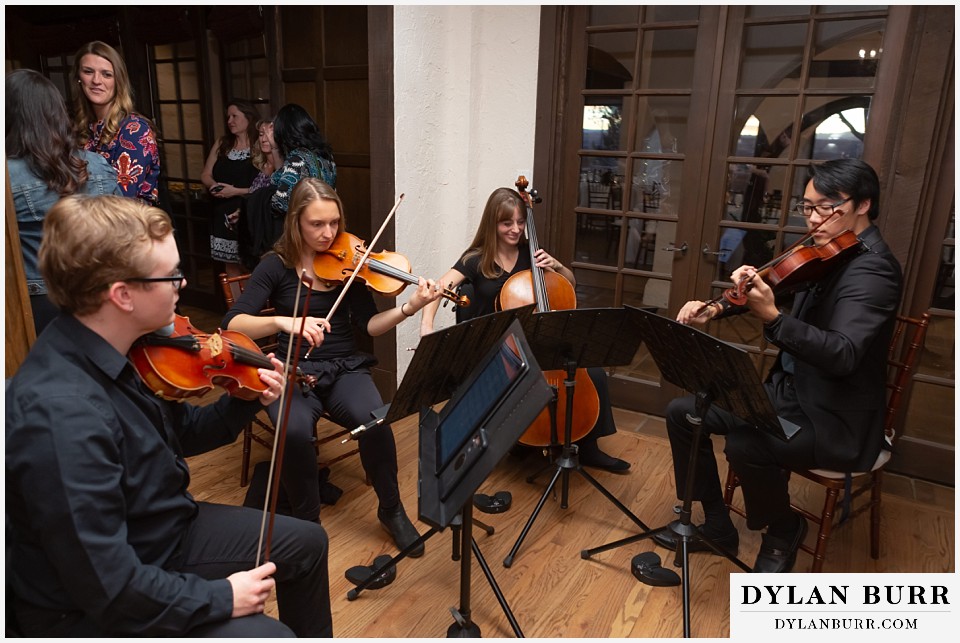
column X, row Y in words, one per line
column 692, row 129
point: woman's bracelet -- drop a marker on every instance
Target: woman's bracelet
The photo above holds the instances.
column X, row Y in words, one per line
column 404, row 311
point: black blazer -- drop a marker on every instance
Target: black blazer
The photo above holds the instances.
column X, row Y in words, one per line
column 839, row 340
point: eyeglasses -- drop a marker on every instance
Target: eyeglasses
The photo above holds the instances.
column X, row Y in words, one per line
column 176, row 280
column 823, row 210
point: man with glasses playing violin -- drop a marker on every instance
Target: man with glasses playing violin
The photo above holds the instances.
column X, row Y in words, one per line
column 103, row 538
column 829, row 377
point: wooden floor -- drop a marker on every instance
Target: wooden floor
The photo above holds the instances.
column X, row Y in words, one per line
column 551, row 590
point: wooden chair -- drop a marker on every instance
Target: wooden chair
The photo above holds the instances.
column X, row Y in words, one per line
column 901, row 361
column 260, row 430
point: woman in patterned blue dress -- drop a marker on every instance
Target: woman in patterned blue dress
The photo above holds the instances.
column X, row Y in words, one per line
column 105, row 122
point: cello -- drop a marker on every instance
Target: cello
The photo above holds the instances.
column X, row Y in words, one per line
column 550, row 291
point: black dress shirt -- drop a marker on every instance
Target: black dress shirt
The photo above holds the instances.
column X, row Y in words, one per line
column 97, row 498
column 273, row 282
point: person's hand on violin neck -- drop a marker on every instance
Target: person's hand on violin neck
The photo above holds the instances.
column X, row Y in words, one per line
column 273, row 379
column 427, row 291
column 760, row 298
column 452, row 278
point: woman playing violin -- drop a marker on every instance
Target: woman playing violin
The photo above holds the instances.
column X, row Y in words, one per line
column 344, row 388
column 499, row 251
column 829, row 378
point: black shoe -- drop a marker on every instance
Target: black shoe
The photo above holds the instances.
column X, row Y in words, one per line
column 729, row 541
column 778, row 555
column 395, row 522
column 592, row 456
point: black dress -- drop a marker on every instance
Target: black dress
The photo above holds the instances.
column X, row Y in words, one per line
column 234, row 169
column 483, row 301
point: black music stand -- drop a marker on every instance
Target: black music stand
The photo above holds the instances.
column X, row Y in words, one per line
column 716, row 373
column 567, row 340
column 497, row 418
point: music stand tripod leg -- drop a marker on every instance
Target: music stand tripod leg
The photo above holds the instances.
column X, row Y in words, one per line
column 570, row 461
column 463, row 626
column 457, row 525
column 526, row 528
column 554, row 447
column 496, row 589
column 683, row 527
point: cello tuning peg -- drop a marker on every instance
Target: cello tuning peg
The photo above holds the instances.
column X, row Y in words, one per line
column 535, row 196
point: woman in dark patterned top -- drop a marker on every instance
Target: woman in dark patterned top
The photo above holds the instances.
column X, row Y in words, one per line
column 105, row 122
column 304, row 151
column 344, row 388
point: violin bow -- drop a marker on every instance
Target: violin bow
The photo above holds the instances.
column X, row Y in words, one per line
column 276, row 459
column 363, row 260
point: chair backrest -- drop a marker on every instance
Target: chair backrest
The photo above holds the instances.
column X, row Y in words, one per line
column 234, row 286
column 599, row 195
column 901, row 361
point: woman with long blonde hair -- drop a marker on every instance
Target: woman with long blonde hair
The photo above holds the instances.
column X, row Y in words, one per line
column 106, row 123
column 498, row 251
column 344, row 386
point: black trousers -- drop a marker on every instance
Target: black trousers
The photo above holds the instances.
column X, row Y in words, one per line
column 605, row 424
column 349, row 399
column 221, row 541
column 759, row 459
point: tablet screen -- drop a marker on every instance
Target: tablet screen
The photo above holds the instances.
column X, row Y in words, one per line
column 477, row 399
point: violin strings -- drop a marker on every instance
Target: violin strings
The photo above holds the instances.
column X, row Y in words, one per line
column 391, row 271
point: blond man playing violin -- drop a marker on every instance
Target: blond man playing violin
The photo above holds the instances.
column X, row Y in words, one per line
column 103, row 537
column 828, row 378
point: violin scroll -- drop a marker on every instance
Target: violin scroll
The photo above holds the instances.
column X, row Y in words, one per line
column 529, row 196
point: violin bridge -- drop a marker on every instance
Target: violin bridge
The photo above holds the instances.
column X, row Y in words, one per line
column 215, row 344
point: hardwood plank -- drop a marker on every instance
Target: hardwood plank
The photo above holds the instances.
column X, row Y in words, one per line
column 551, row 590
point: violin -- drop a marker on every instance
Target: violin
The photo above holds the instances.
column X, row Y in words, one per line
column 189, row 363
column 388, row 273
column 550, row 290
column 798, row 265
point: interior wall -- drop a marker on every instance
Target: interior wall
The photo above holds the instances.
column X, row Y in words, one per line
column 465, row 86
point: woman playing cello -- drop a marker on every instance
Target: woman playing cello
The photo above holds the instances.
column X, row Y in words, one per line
column 499, row 251
column 344, row 385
